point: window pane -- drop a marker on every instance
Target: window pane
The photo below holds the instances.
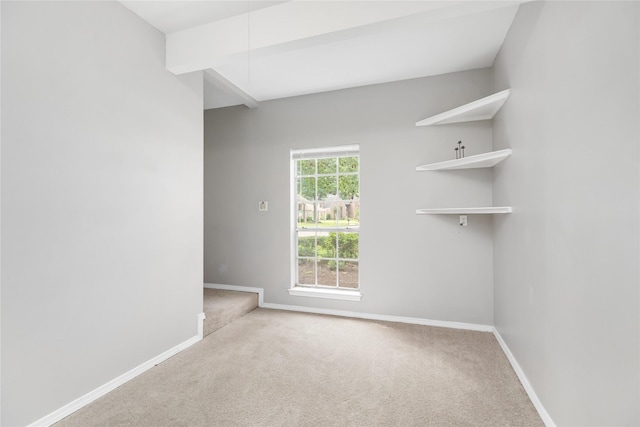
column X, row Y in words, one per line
column 306, row 188
column 349, row 187
column 306, row 167
column 327, row 186
column 327, row 166
column 305, row 215
column 349, row 276
column 348, row 164
column 348, row 245
column 326, row 244
column 353, row 215
column 306, row 272
column 339, row 210
column 327, row 274
column 306, row 244
column 325, row 218
column 328, row 217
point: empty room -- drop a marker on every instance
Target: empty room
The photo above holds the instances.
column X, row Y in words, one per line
column 319, row 213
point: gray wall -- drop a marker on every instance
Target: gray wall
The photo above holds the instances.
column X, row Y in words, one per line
column 566, row 260
column 417, row 266
column 101, row 201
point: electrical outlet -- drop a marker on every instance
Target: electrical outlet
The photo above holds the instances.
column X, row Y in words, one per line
column 263, row 206
column 463, row 220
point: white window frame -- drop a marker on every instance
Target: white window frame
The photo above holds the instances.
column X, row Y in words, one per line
column 316, row 291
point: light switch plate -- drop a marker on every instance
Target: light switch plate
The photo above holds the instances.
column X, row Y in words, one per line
column 263, row 206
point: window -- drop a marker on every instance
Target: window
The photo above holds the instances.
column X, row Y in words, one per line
column 326, row 218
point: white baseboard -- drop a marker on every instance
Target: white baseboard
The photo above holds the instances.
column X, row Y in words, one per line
column 201, row 318
column 382, row 317
column 259, row 291
column 354, row 314
column 546, row 418
column 77, row 404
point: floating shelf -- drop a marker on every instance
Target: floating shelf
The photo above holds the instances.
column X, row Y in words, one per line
column 464, row 211
column 482, row 109
column 485, row 160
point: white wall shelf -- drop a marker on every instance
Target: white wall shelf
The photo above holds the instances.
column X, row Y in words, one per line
column 465, row 211
column 485, row 160
column 482, row 109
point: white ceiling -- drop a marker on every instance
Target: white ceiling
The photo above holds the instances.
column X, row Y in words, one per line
column 253, row 51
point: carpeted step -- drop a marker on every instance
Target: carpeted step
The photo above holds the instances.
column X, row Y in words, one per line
column 222, row 307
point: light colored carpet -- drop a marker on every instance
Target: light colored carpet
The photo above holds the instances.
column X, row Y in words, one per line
column 276, row 368
column 222, row 307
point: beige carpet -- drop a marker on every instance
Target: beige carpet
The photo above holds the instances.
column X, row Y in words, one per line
column 222, row 307
column 275, row 368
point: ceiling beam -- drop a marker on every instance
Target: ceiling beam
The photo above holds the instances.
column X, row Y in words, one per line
column 217, row 43
column 219, row 81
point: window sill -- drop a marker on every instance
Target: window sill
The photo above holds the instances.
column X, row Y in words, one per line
column 300, row 291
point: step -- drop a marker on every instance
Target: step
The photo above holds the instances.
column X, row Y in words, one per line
column 222, row 307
